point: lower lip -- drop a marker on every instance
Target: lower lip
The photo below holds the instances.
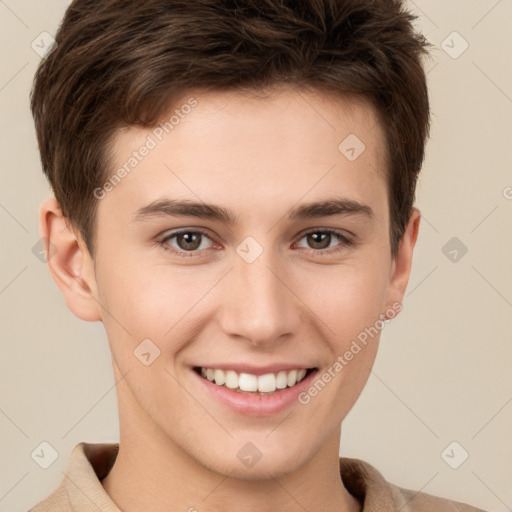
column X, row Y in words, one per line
column 256, row 405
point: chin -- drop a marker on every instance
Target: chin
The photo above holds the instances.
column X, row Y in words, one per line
column 248, row 463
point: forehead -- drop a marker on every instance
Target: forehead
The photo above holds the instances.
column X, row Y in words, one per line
column 275, row 146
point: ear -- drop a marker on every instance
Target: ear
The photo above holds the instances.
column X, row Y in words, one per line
column 69, row 262
column 402, row 263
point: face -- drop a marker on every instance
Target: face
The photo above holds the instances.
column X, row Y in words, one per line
column 247, row 239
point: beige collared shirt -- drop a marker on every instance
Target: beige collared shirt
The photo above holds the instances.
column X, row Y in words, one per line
column 81, row 490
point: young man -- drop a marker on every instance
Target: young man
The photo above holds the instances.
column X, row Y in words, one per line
column 234, row 185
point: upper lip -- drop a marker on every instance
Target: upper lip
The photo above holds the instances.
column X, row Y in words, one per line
column 256, row 370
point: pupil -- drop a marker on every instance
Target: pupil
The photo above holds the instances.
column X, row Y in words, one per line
column 319, row 244
column 192, row 240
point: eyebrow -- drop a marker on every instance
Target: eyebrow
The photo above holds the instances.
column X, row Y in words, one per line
column 176, row 208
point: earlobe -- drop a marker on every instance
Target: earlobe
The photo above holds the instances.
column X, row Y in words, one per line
column 69, row 262
column 403, row 260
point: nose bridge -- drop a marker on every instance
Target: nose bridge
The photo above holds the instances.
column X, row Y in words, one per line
column 258, row 305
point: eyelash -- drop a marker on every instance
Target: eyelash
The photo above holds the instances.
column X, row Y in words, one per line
column 345, row 241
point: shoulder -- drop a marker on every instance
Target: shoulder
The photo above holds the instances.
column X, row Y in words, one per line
column 57, row 500
column 80, row 488
column 367, row 484
column 408, row 500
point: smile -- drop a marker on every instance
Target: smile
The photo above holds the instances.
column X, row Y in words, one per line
column 254, row 384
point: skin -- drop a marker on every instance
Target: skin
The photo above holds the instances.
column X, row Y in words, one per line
column 292, row 304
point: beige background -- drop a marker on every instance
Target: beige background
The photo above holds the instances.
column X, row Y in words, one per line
column 443, row 369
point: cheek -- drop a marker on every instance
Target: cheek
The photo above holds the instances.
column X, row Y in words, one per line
column 153, row 301
column 348, row 297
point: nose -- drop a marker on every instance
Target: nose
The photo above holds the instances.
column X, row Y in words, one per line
column 258, row 304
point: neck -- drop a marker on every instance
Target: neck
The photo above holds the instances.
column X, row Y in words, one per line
column 160, row 481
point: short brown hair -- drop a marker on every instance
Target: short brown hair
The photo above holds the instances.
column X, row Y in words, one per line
column 120, row 63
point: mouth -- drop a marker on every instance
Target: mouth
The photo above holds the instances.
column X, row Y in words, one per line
column 250, row 384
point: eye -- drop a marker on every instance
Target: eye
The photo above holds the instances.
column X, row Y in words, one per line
column 320, row 240
column 191, row 242
column 187, row 241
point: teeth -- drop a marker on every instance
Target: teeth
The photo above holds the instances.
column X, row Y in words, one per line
column 219, row 377
column 281, row 380
column 266, row 383
column 247, row 382
column 291, row 379
column 231, row 379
